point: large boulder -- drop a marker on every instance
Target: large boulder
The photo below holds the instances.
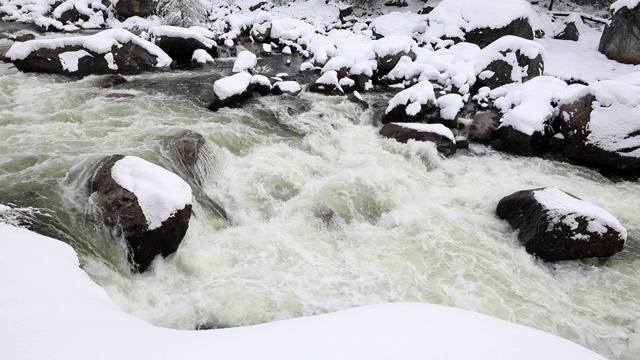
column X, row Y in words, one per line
column 483, row 127
column 232, row 90
column 108, row 52
column 438, row 134
column 509, row 59
column 130, row 8
column 390, row 49
column 180, row 43
column 554, row 225
column 410, row 105
column 480, row 22
column 601, row 127
column 144, row 203
column 620, row 39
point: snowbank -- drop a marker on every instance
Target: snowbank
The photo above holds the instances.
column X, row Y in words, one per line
column 52, row 310
column 160, row 192
column 565, row 208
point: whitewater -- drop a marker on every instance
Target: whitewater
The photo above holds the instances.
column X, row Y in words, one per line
column 321, row 213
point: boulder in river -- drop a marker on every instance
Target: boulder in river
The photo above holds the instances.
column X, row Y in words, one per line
column 438, row 134
column 108, row 52
column 483, row 127
column 507, row 60
column 180, row 43
column 390, row 49
column 410, row 105
column 144, row 203
column 620, row 39
column 555, row 226
column 232, row 90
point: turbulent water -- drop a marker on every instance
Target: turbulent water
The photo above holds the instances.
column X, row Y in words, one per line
column 322, row 213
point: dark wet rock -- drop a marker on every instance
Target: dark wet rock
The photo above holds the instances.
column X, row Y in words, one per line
column 261, row 32
column 570, row 31
column 414, row 104
column 123, row 215
column 484, row 36
column 358, row 100
column 436, row 133
column 187, row 146
column 181, row 49
column 141, row 8
column 261, row 85
column 23, row 37
column 345, row 11
column 4, row 58
column 69, row 15
column 528, row 62
column 325, row 89
column 119, row 95
column 620, row 39
column 555, row 226
column 511, row 140
column 484, row 126
column 462, row 143
column 360, row 82
column 128, row 58
column 112, row 80
column 257, row 6
column 386, row 63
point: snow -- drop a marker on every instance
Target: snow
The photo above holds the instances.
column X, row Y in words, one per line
column 529, row 106
column 453, row 18
column 245, row 61
column 397, row 23
column 201, row 56
column 565, row 208
column 329, row 78
column 195, row 32
column 53, row 310
column 419, row 94
column 337, row 63
column 450, row 106
column 232, row 85
column 431, row 128
column 69, row 59
column 100, row 43
column 291, row 87
column 503, row 49
column 261, row 80
column 160, row 193
column 630, row 4
column 392, row 45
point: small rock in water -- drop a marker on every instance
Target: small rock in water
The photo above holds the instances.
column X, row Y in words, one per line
column 112, row 80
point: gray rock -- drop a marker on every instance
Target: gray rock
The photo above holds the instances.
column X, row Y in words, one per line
column 620, row 39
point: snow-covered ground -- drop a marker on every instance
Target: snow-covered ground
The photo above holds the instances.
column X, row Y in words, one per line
column 52, row 310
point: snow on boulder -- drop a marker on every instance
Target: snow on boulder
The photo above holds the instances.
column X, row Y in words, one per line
column 261, row 28
column 180, row 43
column 438, row 134
column 144, row 203
column 261, row 84
column 49, row 297
column 107, row 52
column 620, row 39
column 555, row 226
column 483, row 127
column 528, row 110
column 509, row 59
column 231, row 90
column 450, row 105
column 339, row 64
column 245, row 61
column 408, row 70
column 327, row 84
column 601, row 126
column 479, row 22
column 410, row 105
column 286, row 87
column 573, row 27
column 200, row 57
column 390, row 49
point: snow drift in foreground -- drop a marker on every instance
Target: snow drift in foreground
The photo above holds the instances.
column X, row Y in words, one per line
column 53, row 310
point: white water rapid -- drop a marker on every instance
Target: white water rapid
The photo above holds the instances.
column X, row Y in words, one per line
column 324, row 214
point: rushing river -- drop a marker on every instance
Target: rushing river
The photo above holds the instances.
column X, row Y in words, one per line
column 322, row 213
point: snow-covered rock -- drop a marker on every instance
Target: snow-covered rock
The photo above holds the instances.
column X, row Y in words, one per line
column 107, row 52
column 180, row 43
column 554, row 225
column 327, row 84
column 261, row 84
column 390, row 49
column 261, row 28
column 50, row 301
column 231, row 90
column 286, row 87
column 620, row 39
column 573, row 27
column 509, row 59
column 399, row 23
column 201, row 57
column 411, row 104
column 438, row 134
column 479, row 22
column 245, row 61
column 601, row 124
column 146, row 204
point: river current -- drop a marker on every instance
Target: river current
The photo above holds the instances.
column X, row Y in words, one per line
column 322, row 213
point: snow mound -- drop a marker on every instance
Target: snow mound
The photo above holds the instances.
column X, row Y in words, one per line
column 232, row 85
column 50, row 301
column 414, row 98
column 160, row 192
column 391, row 45
column 565, row 208
column 245, row 61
